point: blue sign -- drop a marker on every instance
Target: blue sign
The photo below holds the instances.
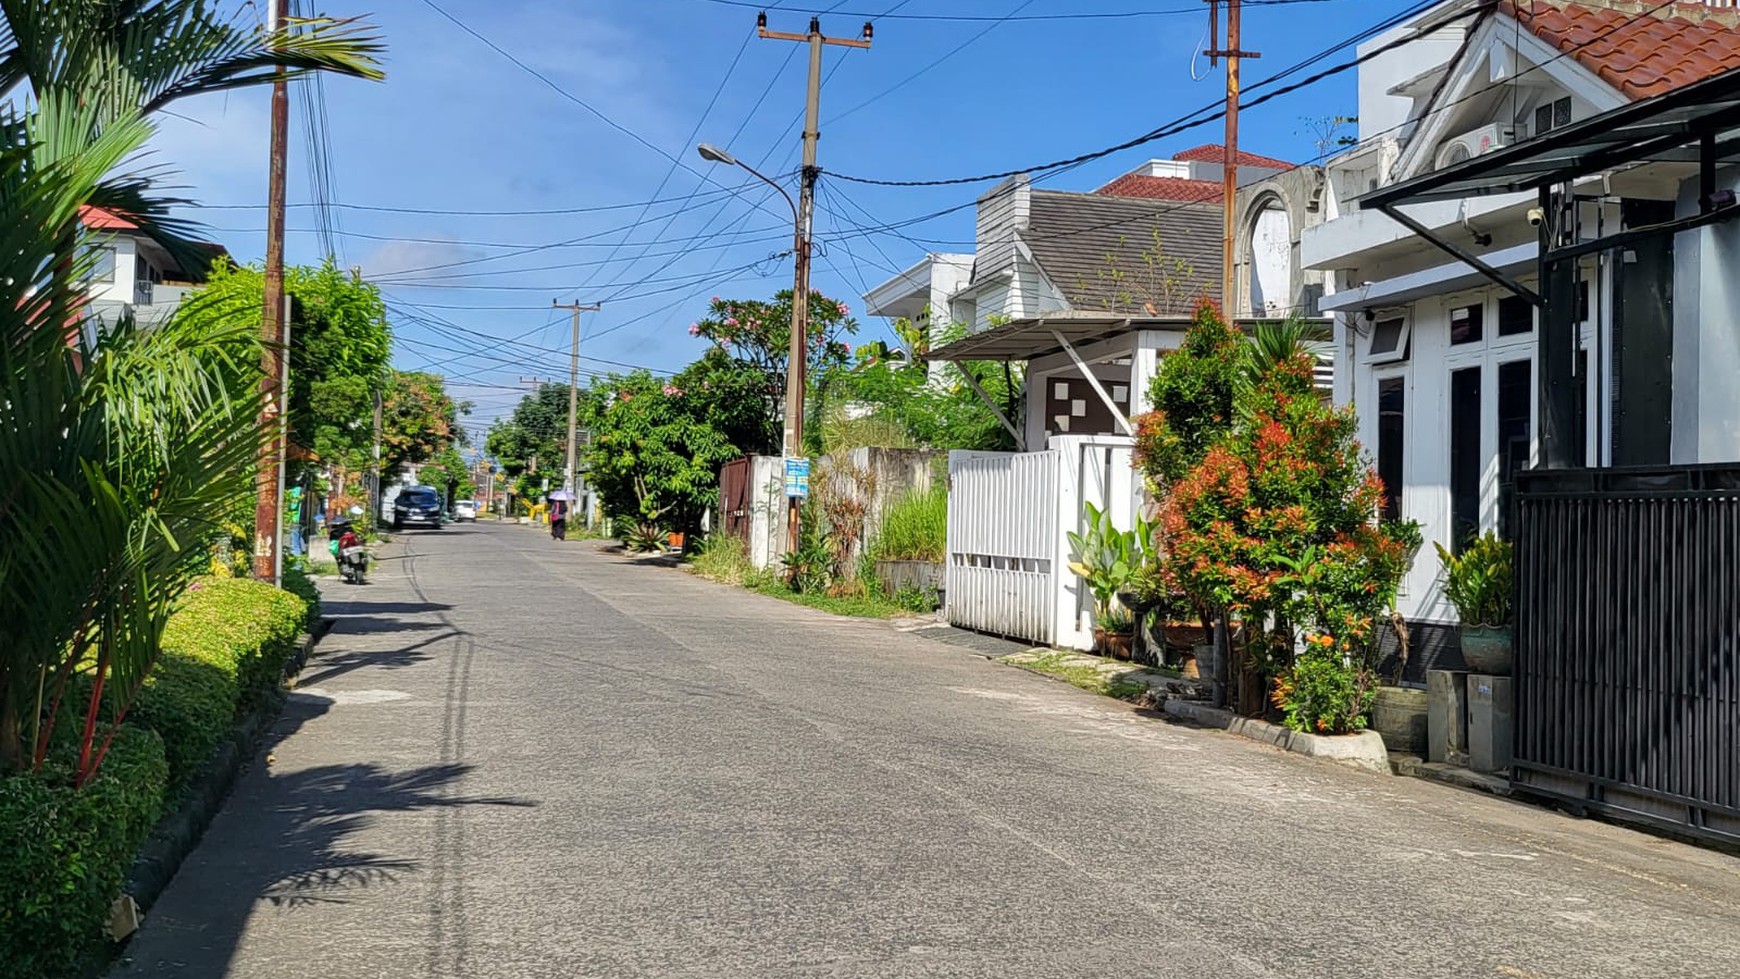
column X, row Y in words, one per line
column 797, row 478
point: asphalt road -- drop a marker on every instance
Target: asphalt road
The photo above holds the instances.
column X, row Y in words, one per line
column 516, row 758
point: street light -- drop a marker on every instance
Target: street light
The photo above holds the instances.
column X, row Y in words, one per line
column 796, row 357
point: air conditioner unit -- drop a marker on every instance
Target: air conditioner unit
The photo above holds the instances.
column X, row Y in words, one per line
column 1472, row 144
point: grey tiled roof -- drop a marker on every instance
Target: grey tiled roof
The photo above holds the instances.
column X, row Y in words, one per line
column 1123, row 255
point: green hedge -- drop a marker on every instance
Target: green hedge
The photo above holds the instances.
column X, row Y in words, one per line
column 64, row 852
column 226, row 645
column 298, row 583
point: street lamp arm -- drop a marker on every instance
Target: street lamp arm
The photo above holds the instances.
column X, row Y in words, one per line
column 782, row 191
column 715, row 154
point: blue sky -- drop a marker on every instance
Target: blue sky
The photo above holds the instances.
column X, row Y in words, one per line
column 459, row 127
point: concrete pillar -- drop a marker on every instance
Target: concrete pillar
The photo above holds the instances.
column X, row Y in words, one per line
column 1446, row 717
column 1489, row 722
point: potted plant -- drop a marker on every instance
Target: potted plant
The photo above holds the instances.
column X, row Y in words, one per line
column 1105, row 558
column 1478, row 582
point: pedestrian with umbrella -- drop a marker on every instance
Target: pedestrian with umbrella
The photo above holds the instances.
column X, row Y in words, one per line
column 559, row 514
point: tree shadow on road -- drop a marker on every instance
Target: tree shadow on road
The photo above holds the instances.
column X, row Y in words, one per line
column 289, row 841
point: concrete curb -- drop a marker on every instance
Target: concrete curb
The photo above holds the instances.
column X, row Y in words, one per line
column 178, row 832
column 1364, row 751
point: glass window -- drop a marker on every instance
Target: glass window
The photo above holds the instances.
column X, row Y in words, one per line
column 1516, row 316
column 102, row 264
column 1465, row 461
column 1515, row 435
column 1386, row 337
column 1392, row 397
column 1465, row 324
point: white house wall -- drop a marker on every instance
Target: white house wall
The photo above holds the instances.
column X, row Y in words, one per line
column 1706, row 410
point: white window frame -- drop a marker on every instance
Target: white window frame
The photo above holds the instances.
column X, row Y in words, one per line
column 1396, row 356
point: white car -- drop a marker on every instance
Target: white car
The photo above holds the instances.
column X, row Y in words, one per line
column 464, row 510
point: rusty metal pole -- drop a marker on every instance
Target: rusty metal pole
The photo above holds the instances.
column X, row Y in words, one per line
column 268, row 505
column 1230, row 167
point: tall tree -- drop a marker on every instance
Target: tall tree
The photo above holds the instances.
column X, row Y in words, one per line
column 418, row 420
column 339, row 350
column 534, row 438
column 654, row 458
column 116, row 459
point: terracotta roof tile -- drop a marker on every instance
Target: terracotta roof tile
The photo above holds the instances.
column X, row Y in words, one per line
column 104, row 220
column 1215, row 153
column 1642, row 54
column 1162, row 188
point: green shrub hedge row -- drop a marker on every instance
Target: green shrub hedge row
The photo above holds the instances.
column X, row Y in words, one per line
column 226, row 645
column 65, row 852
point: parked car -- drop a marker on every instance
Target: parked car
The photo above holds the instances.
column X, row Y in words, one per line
column 464, row 509
column 419, row 506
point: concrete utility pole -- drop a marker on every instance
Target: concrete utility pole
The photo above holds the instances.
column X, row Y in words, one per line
column 568, row 480
column 1230, row 165
column 797, row 357
column 268, row 483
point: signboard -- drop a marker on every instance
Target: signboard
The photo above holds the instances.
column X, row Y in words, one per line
column 797, row 478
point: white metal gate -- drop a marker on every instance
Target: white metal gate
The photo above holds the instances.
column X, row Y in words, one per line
column 1008, row 557
column 1003, row 535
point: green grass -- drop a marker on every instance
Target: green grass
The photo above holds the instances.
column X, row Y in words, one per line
column 914, row 527
column 726, row 560
column 1084, row 675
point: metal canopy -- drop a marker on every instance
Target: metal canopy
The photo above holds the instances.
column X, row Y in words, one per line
column 1041, row 336
column 1658, row 129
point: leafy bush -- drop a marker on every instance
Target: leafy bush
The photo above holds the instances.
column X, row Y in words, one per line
column 723, row 558
column 1326, row 691
column 224, row 647
column 1478, row 581
column 64, row 851
column 1106, row 558
column 915, row 526
column 297, row 582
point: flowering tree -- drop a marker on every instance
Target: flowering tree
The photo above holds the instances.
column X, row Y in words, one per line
column 653, row 458
column 1278, row 525
column 758, row 334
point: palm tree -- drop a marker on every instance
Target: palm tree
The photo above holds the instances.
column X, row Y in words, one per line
column 119, row 454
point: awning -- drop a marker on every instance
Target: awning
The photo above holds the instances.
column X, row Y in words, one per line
column 1666, row 129
column 1030, row 339
column 1435, row 281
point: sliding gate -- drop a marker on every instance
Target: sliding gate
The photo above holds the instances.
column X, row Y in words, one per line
column 1628, row 616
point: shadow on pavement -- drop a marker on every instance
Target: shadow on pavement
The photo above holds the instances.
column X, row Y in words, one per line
column 295, row 849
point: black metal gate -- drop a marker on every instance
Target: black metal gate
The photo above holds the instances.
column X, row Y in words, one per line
column 1628, row 615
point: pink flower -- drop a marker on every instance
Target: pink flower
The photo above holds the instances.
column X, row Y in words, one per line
column 845, row 310
column 694, row 329
column 715, row 298
column 672, row 391
column 730, row 321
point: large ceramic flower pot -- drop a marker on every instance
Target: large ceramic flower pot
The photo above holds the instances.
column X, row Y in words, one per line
column 1487, row 650
column 1113, row 644
column 1398, row 714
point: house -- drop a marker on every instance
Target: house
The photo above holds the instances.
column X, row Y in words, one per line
column 1086, row 290
column 1459, row 383
column 133, row 273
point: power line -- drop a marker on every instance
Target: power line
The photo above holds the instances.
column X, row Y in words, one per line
column 996, row 22
column 1201, row 117
column 570, row 96
column 970, row 18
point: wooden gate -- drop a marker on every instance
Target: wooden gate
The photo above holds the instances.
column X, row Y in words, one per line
column 734, row 502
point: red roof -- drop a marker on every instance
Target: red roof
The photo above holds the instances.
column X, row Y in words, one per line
column 104, row 220
column 1216, row 153
column 1640, row 53
column 1162, row 188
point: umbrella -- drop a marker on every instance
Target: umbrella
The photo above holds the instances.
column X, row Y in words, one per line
column 562, row 495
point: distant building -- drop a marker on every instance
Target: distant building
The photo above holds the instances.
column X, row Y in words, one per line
column 134, row 274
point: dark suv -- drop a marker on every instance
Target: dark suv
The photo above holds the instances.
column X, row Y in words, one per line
column 417, row 505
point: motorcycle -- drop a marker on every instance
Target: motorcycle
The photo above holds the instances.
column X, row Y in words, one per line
column 347, row 547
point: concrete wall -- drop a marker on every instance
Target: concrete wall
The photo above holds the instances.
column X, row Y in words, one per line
column 1299, row 195
column 767, row 509
column 893, row 474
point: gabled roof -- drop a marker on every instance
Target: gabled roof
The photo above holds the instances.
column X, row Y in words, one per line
column 1639, row 50
column 1091, row 247
column 1162, row 188
column 104, row 220
column 1216, row 153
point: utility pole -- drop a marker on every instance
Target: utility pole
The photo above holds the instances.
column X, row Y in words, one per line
column 268, row 483
column 375, row 475
column 1230, row 164
column 568, row 480
column 797, row 357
